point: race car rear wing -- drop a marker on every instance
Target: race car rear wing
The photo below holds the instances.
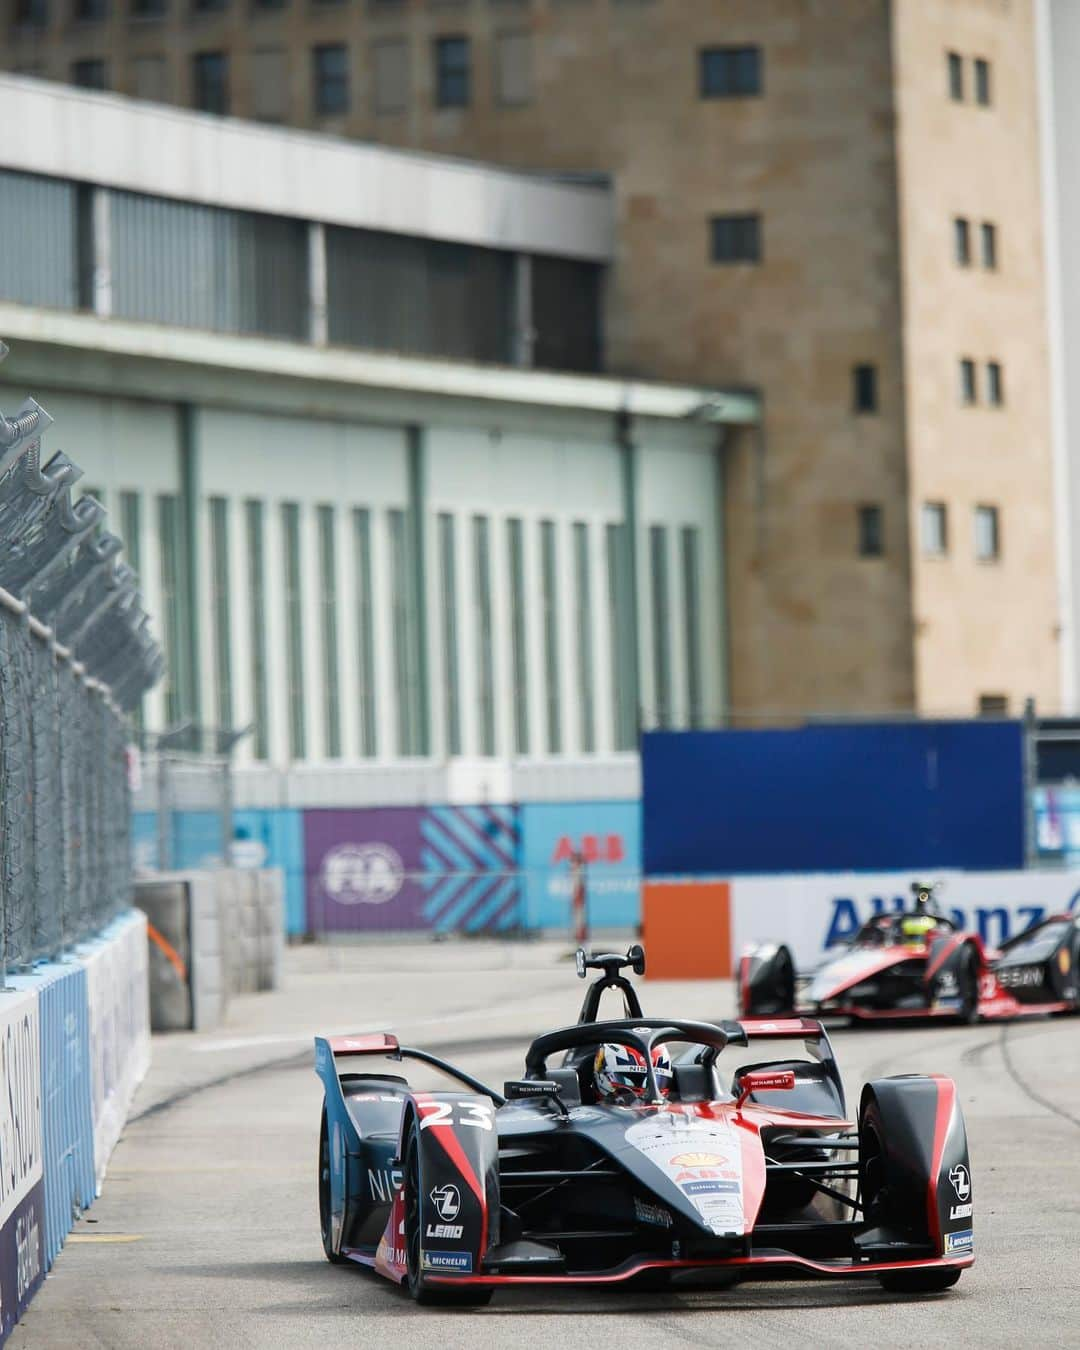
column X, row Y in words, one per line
column 385, row 1045
column 782, row 1028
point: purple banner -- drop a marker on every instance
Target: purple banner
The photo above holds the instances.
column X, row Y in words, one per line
column 445, row 868
column 22, row 1258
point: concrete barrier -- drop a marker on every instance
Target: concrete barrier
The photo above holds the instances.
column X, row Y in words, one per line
column 74, row 1045
column 212, row 934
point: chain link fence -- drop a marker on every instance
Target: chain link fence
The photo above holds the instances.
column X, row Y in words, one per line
column 76, row 656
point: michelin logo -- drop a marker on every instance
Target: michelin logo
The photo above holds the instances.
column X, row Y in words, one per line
column 964, row 1241
column 458, row 1261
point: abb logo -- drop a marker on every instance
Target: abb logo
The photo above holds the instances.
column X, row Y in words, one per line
column 593, row 848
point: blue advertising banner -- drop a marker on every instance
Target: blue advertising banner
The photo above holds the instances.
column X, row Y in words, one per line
column 827, row 798
column 22, row 1218
column 608, row 835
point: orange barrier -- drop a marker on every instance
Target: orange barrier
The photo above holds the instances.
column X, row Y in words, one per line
column 686, row 926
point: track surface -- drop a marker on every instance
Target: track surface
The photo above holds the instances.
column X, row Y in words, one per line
column 207, row 1233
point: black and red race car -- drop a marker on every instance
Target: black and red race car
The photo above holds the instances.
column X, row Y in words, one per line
column 748, row 1166
column 919, row 964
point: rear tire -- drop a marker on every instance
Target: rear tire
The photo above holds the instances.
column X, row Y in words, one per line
column 968, row 980
column 438, row 1296
column 919, row 1281
column 332, row 1256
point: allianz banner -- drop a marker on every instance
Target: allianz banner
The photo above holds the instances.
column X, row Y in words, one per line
column 22, row 1191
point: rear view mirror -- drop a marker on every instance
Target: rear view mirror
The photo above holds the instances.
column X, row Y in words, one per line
column 526, row 1088
column 764, row 1081
column 636, row 957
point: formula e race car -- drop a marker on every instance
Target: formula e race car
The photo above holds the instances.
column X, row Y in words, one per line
column 610, row 1160
column 920, row 964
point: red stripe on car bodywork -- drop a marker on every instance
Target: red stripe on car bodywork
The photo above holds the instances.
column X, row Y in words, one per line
column 451, row 1146
column 875, row 964
column 946, row 1104
column 947, row 949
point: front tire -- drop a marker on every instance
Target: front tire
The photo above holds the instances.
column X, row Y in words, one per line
column 968, row 980
column 437, row 1296
column 335, row 1258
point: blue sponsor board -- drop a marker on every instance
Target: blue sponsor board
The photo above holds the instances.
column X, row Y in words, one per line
column 963, row 1241
column 829, row 798
column 456, row 1261
column 22, row 1258
column 608, row 836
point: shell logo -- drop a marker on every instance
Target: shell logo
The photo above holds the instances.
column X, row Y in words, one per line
column 697, row 1160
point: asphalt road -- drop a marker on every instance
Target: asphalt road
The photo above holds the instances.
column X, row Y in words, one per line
column 207, row 1232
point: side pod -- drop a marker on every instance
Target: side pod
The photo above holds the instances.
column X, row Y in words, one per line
column 766, row 981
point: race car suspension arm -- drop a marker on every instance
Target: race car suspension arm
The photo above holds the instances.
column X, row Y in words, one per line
column 801, row 1170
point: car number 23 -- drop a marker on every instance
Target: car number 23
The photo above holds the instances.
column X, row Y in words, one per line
column 478, row 1114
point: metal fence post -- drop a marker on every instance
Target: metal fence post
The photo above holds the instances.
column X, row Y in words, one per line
column 1031, row 775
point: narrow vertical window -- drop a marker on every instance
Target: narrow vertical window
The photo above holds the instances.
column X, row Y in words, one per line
column 956, row 76
column 935, row 529
column 995, row 384
column 962, row 241
column 661, row 625
column 987, row 534
column 221, row 593
column 871, row 532
column 623, row 656
column 519, row 665
column 583, row 589
column 330, row 80
column 448, row 585
column 401, row 609
column 210, row 82
column 294, row 614
column 451, row 72
column 365, row 634
column 551, row 636
column 982, row 82
column 691, row 565
column 253, row 515
column 131, row 531
column 485, row 655
column 968, row 392
column 328, row 603
column 169, row 534
column 864, row 383
column 989, row 246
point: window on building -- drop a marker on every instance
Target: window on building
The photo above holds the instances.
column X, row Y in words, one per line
column 987, row 534
column 269, row 84
column 294, row 629
column 448, row 596
column 623, row 656
column 583, row 605
column 210, row 82
column 982, row 82
column 31, row 13
column 993, row 705
column 695, row 712
column 935, row 529
column 730, row 72
column 962, row 241
column 149, row 78
column 90, row 11
column 148, row 9
column 169, row 529
column 390, row 76
column 513, row 69
column 549, row 583
column 995, row 384
column 735, row 239
column 969, row 393
column 253, row 520
column 89, row 74
column 402, row 607
column 955, row 64
column 519, row 660
column 661, row 626
column 330, row 80
column 864, row 381
column 485, row 649
column 452, row 72
column 989, row 245
column 328, row 604
column 871, row 532
column 365, row 630
column 220, row 605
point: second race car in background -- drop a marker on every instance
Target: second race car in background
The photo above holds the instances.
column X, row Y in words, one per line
column 920, row 965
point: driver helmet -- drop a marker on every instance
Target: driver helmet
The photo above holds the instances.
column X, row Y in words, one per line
column 915, row 927
column 620, row 1074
